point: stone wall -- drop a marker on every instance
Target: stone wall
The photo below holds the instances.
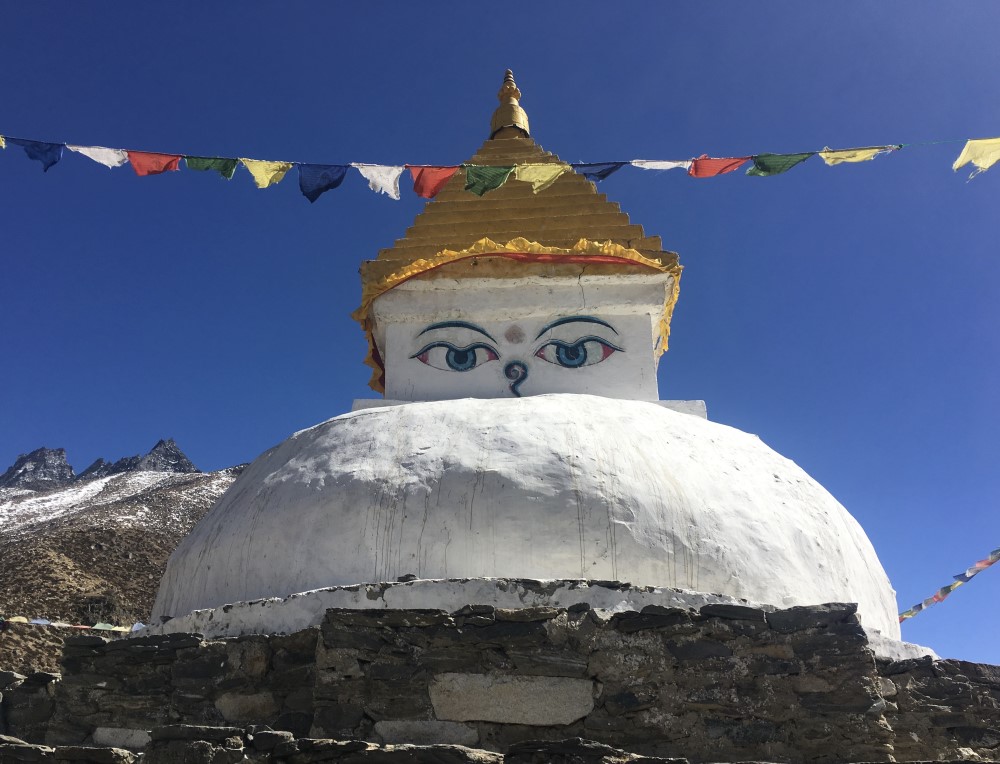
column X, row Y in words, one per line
column 725, row 683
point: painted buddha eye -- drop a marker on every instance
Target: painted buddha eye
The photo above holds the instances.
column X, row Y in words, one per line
column 572, row 355
column 447, row 357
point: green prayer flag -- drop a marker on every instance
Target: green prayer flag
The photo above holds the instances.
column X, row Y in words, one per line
column 774, row 164
column 479, row 178
column 225, row 167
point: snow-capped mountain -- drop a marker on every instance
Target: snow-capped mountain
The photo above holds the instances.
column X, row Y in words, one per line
column 92, row 547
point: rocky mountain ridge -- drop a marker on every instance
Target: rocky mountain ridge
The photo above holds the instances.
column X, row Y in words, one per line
column 47, row 468
column 91, row 547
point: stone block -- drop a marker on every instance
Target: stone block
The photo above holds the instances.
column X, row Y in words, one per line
column 531, row 700
column 298, row 700
column 339, row 661
column 299, row 724
column 549, row 663
column 121, row 737
column 266, row 740
column 527, row 614
column 575, row 751
column 194, row 732
column 250, row 657
column 630, row 622
column 698, row 649
column 426, row 732
column 732, row 612
column 389, row 618
column 247, row 708
column 812, row 616
column 336, row 719
column 79, row 754
column 206, row 665
column 17, row 752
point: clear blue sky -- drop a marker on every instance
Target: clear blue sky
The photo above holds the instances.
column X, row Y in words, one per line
column 847, row 315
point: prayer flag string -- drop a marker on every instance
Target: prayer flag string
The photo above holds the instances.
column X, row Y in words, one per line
column 960, row 579
column 428, row 180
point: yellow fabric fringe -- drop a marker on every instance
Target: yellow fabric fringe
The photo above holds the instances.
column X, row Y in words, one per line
column 851, row 155
column 371, row 290
column 266, row 173
column 983, row 153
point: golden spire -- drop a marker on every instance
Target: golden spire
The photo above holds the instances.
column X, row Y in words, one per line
column 509, row 113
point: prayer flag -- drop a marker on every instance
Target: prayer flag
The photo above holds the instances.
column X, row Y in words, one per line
column 40, row 621
column 597, row 171
column 17, row 619
column 46, row 153
column 983, row 153
column 103, row 626
column 108, row 157
column 225, row 167
column 646, row 164
column 3, row 143
column 427, row 181
column 482, row 178
column 316, row 179
column 708, row 167
column 775, row 164
column 147, row 163
column 60, row 625
column 266, row 173
column 138, row 626
column 540, row 176
column 839, row 156
column 382, row 178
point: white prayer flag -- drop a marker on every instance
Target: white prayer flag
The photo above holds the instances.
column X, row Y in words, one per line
column 107, row 157
column 382, row 178
column 647, row 164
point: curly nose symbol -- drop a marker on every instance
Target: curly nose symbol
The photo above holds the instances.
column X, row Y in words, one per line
column 516, row 372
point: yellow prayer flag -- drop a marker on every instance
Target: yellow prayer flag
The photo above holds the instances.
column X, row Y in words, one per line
column 832, row 157
column 540, row 176
column 17, row 619
column 983, row 153
column 3, row 143
column 266, row 173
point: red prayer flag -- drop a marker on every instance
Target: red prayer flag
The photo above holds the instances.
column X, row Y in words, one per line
column 427, row 181
column 146, row 163
column 708, row 167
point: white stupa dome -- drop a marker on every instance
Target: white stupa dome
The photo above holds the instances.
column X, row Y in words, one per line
column 550, row 487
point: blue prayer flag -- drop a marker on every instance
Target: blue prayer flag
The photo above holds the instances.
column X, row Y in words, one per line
column 46, row 153
column 315, row 179
column 596, row 171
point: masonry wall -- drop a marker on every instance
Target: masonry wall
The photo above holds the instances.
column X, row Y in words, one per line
column 723, row 684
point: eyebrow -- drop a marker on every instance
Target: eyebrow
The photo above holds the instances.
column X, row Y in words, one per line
column 573, row 319
column 458, row 325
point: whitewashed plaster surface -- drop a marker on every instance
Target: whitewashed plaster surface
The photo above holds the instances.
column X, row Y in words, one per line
column 500, row 327
column 546, row 487
column 694, row 408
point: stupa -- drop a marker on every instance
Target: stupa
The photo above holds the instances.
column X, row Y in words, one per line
column 515, row 336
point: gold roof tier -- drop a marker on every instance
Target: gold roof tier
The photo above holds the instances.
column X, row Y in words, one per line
column 569, row 217
column 560, row 215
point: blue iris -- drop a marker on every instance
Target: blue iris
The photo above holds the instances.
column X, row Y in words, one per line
column 571, row 356
column 460, row 360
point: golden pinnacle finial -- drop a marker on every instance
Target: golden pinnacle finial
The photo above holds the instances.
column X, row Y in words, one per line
column 509, row 113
